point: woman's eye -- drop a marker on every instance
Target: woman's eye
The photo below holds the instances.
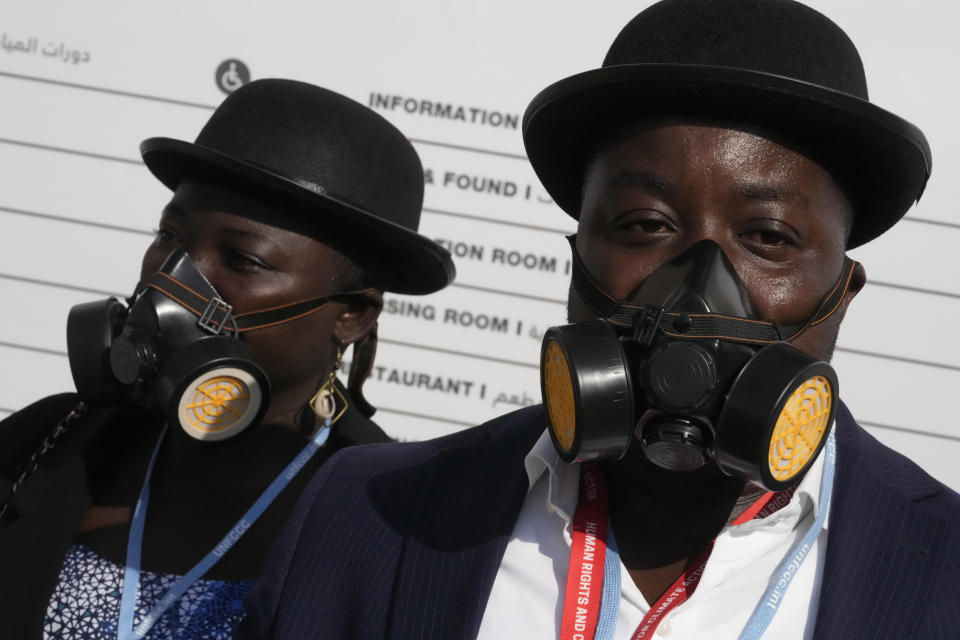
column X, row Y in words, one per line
column 244, row 262
column 166, row 237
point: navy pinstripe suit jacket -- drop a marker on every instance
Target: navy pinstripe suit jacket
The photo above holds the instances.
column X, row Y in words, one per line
column 404, row 541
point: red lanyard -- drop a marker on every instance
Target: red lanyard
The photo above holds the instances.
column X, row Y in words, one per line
column 581, row 605
column 682, row 589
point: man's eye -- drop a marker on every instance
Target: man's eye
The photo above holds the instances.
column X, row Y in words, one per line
column 769, row 238
column 651, row 226
column 650, row 223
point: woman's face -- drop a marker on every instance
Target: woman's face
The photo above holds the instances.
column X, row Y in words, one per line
column 255, row 265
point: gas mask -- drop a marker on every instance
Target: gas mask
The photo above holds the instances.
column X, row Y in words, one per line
column 684, row 365
column 176, row 347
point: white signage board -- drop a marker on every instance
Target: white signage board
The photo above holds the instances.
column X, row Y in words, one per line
column 82, row 83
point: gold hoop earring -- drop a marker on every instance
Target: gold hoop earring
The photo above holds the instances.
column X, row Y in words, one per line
column 324, row 403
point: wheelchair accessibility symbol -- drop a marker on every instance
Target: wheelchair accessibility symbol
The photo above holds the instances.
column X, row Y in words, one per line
column 231, row 75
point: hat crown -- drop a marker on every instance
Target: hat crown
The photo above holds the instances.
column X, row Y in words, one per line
column 322, row 141
column 780, row 37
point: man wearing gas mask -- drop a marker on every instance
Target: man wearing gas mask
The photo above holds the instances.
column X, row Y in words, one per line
column 692, row 471
column 144, row 505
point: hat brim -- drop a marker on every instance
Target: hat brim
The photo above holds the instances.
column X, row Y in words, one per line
column 416, row 264
column 884, row 160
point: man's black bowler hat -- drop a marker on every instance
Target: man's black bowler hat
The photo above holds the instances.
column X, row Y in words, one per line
column 774, row 64
column 332, row 157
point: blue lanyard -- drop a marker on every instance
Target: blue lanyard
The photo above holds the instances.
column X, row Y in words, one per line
column 607, row 620
column 767, row 608
column 763, row 614
column 131, row 574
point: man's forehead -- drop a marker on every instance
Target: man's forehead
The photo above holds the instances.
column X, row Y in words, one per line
column 731, row 143
column 618, row 134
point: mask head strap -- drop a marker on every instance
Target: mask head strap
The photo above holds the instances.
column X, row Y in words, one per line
column 700, row 326
column 263, row 318
column 214, row 312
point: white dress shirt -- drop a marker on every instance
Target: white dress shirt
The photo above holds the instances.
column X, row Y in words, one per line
column 527, row 597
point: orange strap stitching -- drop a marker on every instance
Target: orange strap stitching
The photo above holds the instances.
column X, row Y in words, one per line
column 846, row 285
column 171, row 278
column 173, row 297
column 733, row 338
column 291, row 304
column 276, row 322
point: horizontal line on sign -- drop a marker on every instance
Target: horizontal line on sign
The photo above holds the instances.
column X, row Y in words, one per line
column 890, row 427
column 531, row 365
column 58, row 285
column 460, row 147
column 86, row 223
column 939, row 223
column 115, row 92
column 73, row 152
column 525, row 296
column 421, row 415
column 210, row 107
column 932, row 292
column 505, row 223
column 453, row 352
column 885, row 356
column 379, row 409
column 26, row 347
column 904, row 287
column 476, row 356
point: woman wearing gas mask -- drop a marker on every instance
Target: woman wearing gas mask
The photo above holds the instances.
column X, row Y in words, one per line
column 144, row 505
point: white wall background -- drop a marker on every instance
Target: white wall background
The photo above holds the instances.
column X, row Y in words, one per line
column 77, row 208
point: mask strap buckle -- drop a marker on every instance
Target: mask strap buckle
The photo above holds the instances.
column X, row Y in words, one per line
column 646, row 325
column 211, row 319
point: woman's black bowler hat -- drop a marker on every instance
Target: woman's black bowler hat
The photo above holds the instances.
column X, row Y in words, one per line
column 333, row 158
column 777, row 65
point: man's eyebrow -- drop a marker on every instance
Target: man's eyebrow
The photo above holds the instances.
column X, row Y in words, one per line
column 765, row 192
column 646, row 180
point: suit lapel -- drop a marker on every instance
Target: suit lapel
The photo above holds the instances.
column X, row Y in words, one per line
column 451, row 557
column 883, row 549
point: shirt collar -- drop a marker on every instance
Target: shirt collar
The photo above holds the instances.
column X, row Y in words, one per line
column 563, row 490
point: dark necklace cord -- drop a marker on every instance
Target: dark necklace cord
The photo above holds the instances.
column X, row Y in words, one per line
column 49, row 443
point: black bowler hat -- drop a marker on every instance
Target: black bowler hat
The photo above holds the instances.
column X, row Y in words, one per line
column 340, row 162
column 773, row 64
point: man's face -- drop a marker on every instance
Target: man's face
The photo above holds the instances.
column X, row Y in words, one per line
column 238, row 244
column 655, row 188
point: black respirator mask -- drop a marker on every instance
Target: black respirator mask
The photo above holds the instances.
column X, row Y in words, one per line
column 176, row 347
column 684, row 365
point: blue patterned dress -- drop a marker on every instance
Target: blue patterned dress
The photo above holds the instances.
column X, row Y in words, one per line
column 85, row 604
